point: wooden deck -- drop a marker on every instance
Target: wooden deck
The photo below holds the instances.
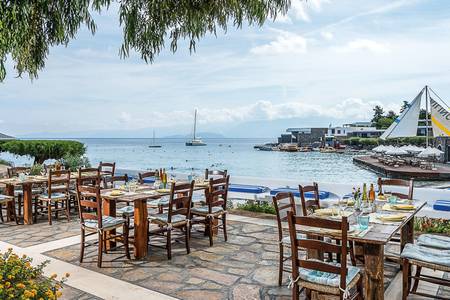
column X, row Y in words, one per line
column 442, row 171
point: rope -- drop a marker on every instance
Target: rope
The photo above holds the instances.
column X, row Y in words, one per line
column 438, row 96
column 292, row 282
column 346, row 292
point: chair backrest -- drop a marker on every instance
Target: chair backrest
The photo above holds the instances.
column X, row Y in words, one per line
column 180, row 200
column 144, row 175
column 217, row 193
column 89, row 204
column 215, row 173
column 309, row 205
column 107, row 168
column 283, row 202
column 398, row 182
column 89, row 176
column 58, row 181
column 109, row 181
column 15, row 171
column 308, row 244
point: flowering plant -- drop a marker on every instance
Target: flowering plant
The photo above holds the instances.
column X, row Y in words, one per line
column 20, row 280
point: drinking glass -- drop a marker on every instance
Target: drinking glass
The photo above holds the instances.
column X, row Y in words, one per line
column 342, row 205
column 363, row 221
column 392, row 199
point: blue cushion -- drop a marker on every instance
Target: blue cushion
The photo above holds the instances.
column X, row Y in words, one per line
column 108, row 222
column 246, row 188
column 204, row 209
column 325, row 278
column 163, row 218
column 443, row 205
column 126, row 210
column 309, row 195
column 427, row 254
column 434, row 240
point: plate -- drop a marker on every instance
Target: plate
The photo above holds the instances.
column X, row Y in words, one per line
column 116, row 193
column 163, row 190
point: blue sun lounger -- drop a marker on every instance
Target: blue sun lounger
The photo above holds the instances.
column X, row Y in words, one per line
column 322, row 194
column 247, row 188
column 443, row 205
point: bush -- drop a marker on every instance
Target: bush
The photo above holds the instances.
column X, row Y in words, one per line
column 427, row 225
column 42, row 150
column 5, row 162
column 259, row 207
column 74, row 162
column 20, row 280
column 36, row 169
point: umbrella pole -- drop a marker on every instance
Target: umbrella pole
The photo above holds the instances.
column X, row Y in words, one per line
column 426, row 115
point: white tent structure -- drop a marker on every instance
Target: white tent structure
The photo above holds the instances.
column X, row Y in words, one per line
column 430, row 152
column 397, row 151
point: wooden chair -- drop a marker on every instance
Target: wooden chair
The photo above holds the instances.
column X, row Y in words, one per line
column 310, row 205
column 215, row 208
column 315, row 274
column 107, row 169
column 89, row 176
column 215, row 173
column 10, row 204
column 281, row 209
column 143, row 176
column 423, row 257
column 93, row 222
column 176, row 217
column 18, row 193
column 109, row 182
column 398, row 182
column 57, row 193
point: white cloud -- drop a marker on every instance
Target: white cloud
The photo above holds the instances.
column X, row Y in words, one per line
column 299, row 8
column 284, row 19
column 286, row 42
column 327, row 35
column 364, row 45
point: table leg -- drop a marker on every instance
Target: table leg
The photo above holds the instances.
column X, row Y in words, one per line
column 10, row 206
column 109, row 209
column 140, row 229
column 374, row 271
column 27, row 204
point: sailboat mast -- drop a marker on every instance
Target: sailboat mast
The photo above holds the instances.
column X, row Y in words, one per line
column 195, row 122
column 426, row 115
column 153, row 136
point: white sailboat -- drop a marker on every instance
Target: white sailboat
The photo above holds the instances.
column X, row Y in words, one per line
column 196, row 141
column 154, row 145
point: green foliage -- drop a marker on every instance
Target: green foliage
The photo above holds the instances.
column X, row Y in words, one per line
column 42, row 150
column 427, row 225
column 20, row 280
column 357, row 141
column 36, row 169
column 378, row 112
column 29, row 28
column 74, row 162
column 413, row 140
column 5, row 162
column 382, row 120
column 259, row 207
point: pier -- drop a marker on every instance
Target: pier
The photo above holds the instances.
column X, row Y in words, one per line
column 442, row 171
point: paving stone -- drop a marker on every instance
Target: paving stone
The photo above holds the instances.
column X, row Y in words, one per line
column 215, row 276
column 206, row 256
column 199, row 294
column 239, row 271
column 245, row 292
column 266, row 275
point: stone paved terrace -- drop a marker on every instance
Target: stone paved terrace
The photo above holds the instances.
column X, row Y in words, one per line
column 245, row 267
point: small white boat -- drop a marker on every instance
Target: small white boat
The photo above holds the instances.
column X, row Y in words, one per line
column 196, row 141
column 154, row 145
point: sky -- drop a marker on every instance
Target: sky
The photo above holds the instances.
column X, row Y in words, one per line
column 325, row 62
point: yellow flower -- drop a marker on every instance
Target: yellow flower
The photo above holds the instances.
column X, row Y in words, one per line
column 20, row 285
column 49, row 293
column 58, row 294
column 28, row 294
column 10, row 277
column 7, row 284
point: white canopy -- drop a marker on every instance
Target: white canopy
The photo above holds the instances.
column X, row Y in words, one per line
column 379, row 149
column 397, row 151
column 430, row 152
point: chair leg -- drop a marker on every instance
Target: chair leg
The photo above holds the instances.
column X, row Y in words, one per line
column 126, row 232
column 100, row 249
column 360, row 288
column 104, row 243
column 405, row 270
column 82, row 246
column 210, row 230
column 1, row 213
column 67, row 210
column 295, row 293
column 352, row 253
column 49, row 212
column 280, row 267
column 416, row 280
column 16, row 218
column 187, row 236
column 169, row 244
column 224, row 223
column 19, row 204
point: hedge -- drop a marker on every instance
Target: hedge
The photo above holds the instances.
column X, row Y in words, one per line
column 415, row 140
column 42, row 150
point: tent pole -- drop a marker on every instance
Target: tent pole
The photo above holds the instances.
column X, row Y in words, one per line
column 426, row 115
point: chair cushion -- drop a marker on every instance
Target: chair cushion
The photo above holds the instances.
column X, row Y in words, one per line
column 126, row 210
column 162, row 218
column 434, row 241
column 427, row 254
column 325, row 278
column 5, row 199
column 203, row 210
column 54, row 196
column 158, row 202
column 108, row 222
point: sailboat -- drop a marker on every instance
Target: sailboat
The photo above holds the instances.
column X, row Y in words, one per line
column 196, row 141
column 154, row 145
column 406, row 124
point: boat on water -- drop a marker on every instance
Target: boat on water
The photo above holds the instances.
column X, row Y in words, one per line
column 289, row 147
column 154, row 145
column 328, row 149
column 196, row 141
column 304, row 149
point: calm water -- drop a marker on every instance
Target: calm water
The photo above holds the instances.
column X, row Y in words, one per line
column 235, row 155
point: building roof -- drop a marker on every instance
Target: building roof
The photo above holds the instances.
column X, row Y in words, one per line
column 6, row 137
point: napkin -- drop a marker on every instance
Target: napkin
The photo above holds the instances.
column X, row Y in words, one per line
column 163, row 190
column 403, row 206
column 116, row 193
column 391, row 218
column 323, row 212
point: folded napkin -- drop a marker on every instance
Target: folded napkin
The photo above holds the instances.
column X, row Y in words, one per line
column 323, row 211
column 403, row 206
column 391, row 218
column 163, row 190
column 116, row 193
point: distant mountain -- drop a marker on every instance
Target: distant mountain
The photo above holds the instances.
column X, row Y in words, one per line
column 205, row 135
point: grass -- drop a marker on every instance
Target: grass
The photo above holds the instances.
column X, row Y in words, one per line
column 428, row 225
column 258, row 207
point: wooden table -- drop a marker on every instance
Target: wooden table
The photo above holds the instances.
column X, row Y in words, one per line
column 26, row 186
column 139, row 198
column 373, row 243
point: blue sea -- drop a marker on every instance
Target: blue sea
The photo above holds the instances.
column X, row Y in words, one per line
column 236, row 155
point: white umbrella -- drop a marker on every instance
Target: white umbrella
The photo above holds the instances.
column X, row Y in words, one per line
column 430, row 152
column 397, row 151
column 378, row 149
